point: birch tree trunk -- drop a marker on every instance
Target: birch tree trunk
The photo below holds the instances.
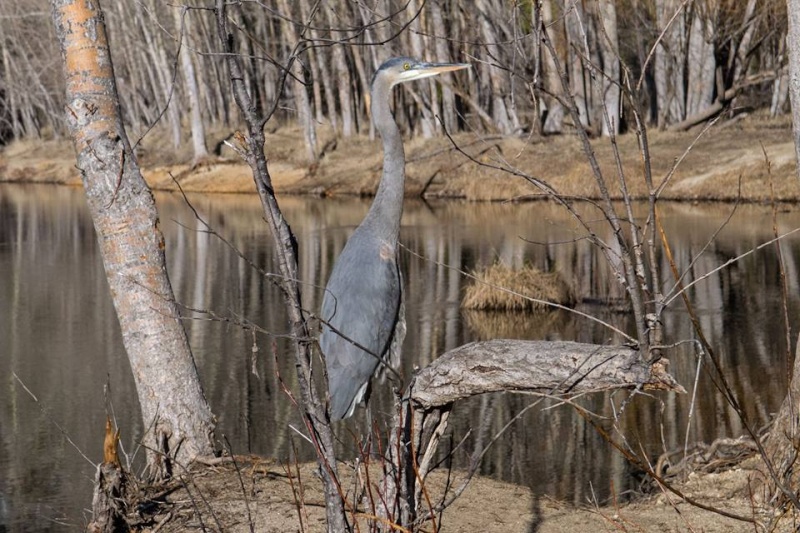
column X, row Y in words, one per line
column 609, row 45
column 793, row 46
column 192, row 91
column 669, row 73
column 500, row 113
column 700, row 65
column 418, row 50
column 301, row 100
column 440, row 46
column 575, row 31
column 555, row 111
column 781, row 443
column 123, row 210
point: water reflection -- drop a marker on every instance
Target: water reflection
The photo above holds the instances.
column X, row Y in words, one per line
column 61, row 338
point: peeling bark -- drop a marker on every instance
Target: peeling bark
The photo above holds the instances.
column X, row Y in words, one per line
column 109, row 503
column 179, row 420
column 546, row 367
column 554, row 368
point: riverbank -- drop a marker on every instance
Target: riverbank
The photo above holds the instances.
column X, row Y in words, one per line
column 268, row 495
column 751, row 159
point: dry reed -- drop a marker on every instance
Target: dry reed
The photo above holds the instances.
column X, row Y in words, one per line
column 487, row 325
column 500, row 288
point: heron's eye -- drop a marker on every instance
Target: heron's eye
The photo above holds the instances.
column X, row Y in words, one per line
column 406, row 66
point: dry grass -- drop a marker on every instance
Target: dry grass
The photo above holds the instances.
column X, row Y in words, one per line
column 487, row 325
column 730, row 152
column 500, row 288
column 212, row 499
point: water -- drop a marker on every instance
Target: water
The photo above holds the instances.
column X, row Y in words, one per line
column 59, row 336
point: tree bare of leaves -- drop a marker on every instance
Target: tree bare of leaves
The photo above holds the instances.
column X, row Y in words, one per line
column 706, row 55
column 179, row 421
column 251, row 147
column 781, row 444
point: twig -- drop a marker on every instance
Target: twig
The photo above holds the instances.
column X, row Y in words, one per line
column 729, row 262
column 45, row 412
column 241, row 484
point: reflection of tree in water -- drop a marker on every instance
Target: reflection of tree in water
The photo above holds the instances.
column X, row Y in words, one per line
column 56, row 278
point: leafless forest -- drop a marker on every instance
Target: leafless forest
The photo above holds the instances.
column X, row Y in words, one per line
column 594, row 68
column 310, row 63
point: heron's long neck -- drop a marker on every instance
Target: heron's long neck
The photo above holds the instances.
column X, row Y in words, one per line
column 387, row 207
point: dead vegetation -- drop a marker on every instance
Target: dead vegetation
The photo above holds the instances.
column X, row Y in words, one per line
column 501, row 288
column 256, row 494
column 726, row 162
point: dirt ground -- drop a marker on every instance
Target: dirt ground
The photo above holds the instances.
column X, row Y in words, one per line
column 263, row 493
column 751, row 158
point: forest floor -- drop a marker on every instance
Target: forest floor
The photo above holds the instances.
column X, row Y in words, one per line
column 751, row 158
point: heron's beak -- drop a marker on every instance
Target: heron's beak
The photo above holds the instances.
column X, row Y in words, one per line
column 438, row 68
column 426, row 70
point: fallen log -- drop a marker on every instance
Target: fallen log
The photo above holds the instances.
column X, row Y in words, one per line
column 545, row 367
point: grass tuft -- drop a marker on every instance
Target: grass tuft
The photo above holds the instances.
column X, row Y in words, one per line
column 487, row 291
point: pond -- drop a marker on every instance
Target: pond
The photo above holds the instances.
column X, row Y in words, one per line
column 63, row 367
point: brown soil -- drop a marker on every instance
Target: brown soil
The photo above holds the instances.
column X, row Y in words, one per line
column 228, row 498
column 725, row 162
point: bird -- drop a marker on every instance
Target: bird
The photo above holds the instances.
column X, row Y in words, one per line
column 362, row 314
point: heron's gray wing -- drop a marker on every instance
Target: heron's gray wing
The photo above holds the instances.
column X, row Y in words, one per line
column 361, row 305
column 393, row 355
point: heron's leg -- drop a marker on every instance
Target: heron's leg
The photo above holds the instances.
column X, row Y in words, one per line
column 368, row 438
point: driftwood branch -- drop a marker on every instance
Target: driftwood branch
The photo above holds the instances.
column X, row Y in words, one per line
column 548, row 367
column 723, row 100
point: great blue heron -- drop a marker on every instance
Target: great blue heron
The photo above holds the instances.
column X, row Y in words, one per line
column 362, row 310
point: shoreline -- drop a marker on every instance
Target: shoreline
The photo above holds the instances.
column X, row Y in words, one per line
column 726, row 164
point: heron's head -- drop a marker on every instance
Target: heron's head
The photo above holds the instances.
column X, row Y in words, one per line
column 401, row 69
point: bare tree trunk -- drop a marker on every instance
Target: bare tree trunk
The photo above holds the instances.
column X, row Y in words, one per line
column 747, row 38
column 285, row 246
column 501, row 114
column 701, row 65
column 793, row 46
column 193, row 93
column 575, row 31
column 11, row 104
column 323, row 75
column 555, row 111
column 426, row 122
column 545, row 367
column 301, row 101
column 363, row 79
column 440, row 45
column 344, row 89
column 609, row 45
column 669, row 73
column 123, row 210
column 163, row 73
column 781, row 444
